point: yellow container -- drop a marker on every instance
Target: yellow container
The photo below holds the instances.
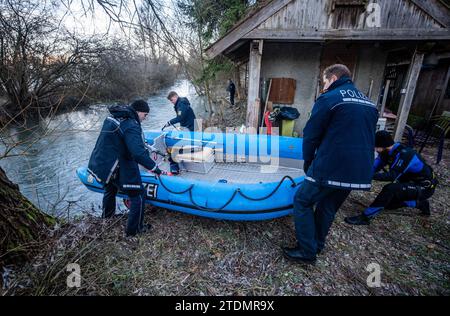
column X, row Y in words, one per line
column 287, row 127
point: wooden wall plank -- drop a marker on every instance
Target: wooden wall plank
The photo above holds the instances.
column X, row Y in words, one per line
column 411, row 83
column 409, row 19
column 303, row 14
column 253, row 101
column 235, row 34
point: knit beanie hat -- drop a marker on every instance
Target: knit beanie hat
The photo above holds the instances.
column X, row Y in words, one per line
column 383, row 139
column 140, row 106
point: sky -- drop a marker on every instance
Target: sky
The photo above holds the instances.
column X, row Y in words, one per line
column 97, row 21
column 87, row 22
column 92, row 22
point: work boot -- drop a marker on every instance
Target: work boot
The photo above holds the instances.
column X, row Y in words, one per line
column 296, row 255
column 424, row 207
column 357, row 220
column 145, row 229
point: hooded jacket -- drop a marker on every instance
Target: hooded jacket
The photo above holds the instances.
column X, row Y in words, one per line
column 231, row 88
column 405, row 165
column 339, row 138
column 121, row 146
column 185, row 114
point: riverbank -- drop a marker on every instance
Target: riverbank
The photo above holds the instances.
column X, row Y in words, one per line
column 187, row 255
column 49, row 108
column 57, row 147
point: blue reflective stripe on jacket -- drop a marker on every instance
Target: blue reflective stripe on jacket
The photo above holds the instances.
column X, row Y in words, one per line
column 405, row 165
column 339, row 138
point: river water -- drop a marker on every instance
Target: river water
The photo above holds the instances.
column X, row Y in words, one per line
column 47, row 176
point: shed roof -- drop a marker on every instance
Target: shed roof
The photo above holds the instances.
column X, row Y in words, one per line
column 321, row 20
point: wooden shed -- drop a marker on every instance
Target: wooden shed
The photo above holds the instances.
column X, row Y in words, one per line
column 376, row 39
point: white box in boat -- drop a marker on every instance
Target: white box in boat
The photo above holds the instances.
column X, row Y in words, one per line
column 198, row 161
column 381, row 124
column 199, row 167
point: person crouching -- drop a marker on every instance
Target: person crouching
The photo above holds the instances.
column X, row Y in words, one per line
column 413, row 181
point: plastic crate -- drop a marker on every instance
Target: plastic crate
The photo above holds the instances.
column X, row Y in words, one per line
column 198, row 161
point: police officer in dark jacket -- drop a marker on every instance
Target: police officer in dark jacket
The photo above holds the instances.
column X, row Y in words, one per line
column 185, row 114
column 412, row 180
column 114, row 161
column 232, row 90
column 338, row 157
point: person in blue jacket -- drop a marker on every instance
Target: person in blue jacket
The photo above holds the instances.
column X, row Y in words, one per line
column 114, row 161
column 185, row 114
column 338, row 143
column 412, row 180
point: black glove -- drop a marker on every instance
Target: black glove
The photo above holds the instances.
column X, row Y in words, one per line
column 379, row 176
column 157, row 171
column 306, row 166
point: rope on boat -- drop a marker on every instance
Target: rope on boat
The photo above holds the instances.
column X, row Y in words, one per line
column 237, row 191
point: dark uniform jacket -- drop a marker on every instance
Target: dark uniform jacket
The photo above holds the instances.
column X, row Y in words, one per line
column 231, row 88
column 339, row 138
column 185, row 114
column 121, row 147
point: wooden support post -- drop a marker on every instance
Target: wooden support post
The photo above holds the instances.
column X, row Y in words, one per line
column 369, row 93
column 237, row 80
column 253, row 117
column 385, row 95
column 407, row 98
column 267, row 101
column 442, row 94
column 253, row 101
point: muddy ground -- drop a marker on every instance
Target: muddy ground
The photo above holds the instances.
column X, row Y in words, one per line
column 187, row 255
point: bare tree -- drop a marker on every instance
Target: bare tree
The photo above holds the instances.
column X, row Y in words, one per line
column 38, row 57
column 161, row 30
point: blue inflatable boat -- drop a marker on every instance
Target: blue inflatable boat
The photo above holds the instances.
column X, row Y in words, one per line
column 238, row 177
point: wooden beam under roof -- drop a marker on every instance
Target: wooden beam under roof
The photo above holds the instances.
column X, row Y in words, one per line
column 348, row 34
column 246, row 26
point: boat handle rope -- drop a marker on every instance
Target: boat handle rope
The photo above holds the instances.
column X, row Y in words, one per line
column 237, row 191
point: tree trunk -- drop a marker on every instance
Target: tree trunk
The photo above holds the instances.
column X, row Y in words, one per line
column 23, row 227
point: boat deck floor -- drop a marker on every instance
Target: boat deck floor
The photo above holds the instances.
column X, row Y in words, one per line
column 241, row 172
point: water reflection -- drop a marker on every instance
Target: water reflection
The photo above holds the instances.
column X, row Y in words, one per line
column 47, row 175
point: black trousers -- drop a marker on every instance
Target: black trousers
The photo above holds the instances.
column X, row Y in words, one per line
column 135, row 221
column 312, row 225
column 232, row 98
column 397, row 195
